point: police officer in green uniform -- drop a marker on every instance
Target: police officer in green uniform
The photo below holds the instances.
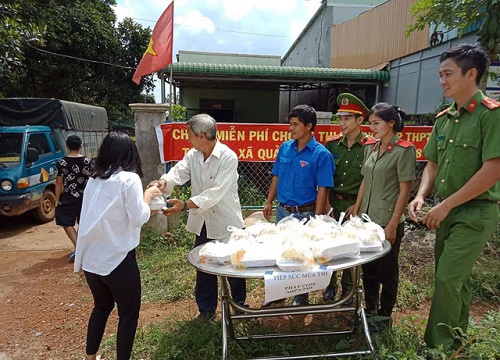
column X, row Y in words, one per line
column 463, row 168
column 347, row 151
column 388, row 173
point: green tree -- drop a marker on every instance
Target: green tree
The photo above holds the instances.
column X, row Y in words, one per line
column 14, row 32
column 460, row 14
column 73, row 50
column 454, row 14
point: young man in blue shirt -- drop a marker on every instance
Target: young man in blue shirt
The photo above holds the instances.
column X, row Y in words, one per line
column 302, row 174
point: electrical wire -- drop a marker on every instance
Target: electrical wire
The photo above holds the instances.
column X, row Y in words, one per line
column 80, row 59
column 230, row 31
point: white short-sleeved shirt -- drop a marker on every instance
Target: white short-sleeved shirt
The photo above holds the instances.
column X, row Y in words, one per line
column 113, row 212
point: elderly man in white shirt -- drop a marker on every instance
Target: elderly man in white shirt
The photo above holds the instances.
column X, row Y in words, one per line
column 214, row 203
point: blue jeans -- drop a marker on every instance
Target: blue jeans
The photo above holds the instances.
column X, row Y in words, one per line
column 282, row 213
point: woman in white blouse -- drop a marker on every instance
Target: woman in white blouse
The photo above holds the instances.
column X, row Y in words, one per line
column 113, row 211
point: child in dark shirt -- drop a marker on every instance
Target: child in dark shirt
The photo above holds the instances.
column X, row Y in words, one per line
column 72, row 174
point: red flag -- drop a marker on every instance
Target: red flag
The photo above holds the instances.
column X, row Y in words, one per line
column 159, row 52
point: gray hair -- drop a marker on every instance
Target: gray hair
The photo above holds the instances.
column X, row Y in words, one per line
column 203, row 123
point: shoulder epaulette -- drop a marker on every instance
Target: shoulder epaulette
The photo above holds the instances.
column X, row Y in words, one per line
column 334, row 137
column 490, row 103
column 370, row 141
column 403, row 143
column 443, row 112
column 365, row 138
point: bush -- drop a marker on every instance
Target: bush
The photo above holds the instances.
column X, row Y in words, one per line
column 178, row 113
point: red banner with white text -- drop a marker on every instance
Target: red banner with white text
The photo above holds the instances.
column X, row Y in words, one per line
column 260, row 142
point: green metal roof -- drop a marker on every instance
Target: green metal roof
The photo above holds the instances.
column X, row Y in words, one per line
column 275, row 72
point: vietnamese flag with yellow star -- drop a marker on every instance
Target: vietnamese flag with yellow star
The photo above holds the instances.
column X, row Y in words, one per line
column 159, row 52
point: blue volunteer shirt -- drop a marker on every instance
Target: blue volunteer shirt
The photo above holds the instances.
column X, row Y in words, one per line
column 301, row 173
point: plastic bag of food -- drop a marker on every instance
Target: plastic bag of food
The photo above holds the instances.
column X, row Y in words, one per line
column 290, row 223
column 215, row 252
column 317, row 227
column 295, row 258
column 157, row 203
column 261, row 227
column 254, row 254
column 370, row 234
column 338, row 247
column 238, row 234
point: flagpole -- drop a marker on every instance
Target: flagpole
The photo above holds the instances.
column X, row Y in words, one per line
column 171, row 81
column 162, row 88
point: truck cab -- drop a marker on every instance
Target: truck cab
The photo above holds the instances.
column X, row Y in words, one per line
column 28, row 156
column 32, row 140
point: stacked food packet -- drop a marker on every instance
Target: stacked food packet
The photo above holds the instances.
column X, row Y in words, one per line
column 295, row 245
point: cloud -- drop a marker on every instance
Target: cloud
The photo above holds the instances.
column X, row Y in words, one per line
column 195, row 22
column 238, row 9
column 260, row 27
column 235, row 22
column 123, row 10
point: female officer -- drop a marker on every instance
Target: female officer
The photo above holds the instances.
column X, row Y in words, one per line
column 388, row 173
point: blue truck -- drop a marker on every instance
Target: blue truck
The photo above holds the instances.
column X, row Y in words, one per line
column 32, row 139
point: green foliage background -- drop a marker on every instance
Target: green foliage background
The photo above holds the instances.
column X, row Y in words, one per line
column 73, row 50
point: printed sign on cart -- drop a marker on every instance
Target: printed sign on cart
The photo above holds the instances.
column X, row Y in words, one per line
column 280, row 284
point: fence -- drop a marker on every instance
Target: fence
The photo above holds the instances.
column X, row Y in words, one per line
column 255, row 179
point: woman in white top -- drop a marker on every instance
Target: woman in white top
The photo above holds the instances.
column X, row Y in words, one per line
column 113, row 211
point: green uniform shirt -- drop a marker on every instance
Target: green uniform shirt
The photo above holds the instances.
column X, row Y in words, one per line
column 382, row 177
column 460, row 144
column 348, row 163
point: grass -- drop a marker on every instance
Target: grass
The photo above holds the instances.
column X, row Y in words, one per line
column 166, row 275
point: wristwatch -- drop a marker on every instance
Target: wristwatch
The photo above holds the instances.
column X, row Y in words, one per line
column 185, row 206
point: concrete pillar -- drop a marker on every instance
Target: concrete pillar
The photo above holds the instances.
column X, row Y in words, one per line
column 146, row 118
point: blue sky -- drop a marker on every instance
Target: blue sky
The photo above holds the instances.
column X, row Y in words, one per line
column 263, row 27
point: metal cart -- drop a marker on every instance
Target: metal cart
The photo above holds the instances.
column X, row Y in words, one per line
column 242, row 313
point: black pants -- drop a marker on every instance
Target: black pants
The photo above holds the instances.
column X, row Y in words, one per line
column 383, row 272
column 123, row 286
column 206, row 284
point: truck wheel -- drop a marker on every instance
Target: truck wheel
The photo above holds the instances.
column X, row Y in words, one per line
column 46, row 211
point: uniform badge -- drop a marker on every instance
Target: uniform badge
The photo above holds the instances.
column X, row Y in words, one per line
column 472, row 106
column 345, row 101
column 303, row 163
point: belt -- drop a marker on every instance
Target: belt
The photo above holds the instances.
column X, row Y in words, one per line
column 294, row 209
column 345, row 196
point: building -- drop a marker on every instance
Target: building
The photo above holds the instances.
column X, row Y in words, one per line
column 247, row 88
column 375, row 39
column 357, row 47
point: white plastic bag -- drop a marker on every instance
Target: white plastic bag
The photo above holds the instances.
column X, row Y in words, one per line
column 215, row 252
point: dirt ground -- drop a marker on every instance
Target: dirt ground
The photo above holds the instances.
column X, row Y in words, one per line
column 44, row 305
